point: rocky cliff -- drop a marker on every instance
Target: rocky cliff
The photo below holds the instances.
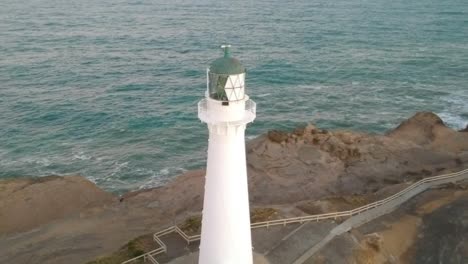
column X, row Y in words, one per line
column 310, row 162
column 29, row 203
column 69, row 220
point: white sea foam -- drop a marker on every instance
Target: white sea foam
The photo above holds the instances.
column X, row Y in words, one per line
column 458, row 106
column 181, row 170
column 40, row 161
column 92, row 179
column 164, row 171
column 81, row 156
column 262, row 95
column 454, row 121
column 161, row 177
column 154, row 181
column 118, row 167
column 250, row 137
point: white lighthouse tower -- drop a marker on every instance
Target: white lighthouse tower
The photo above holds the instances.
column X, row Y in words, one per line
column 227, row 109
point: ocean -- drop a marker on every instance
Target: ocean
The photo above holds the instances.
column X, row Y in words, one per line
column 108, row 89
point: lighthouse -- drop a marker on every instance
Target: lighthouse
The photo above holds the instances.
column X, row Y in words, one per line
column 226, row 109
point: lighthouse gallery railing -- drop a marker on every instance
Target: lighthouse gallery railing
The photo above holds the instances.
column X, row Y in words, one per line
column 250, row 108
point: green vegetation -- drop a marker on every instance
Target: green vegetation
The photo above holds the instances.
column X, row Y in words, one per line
column 134, row 248
column 262, row 214
column 113, row 259
column 192, row 225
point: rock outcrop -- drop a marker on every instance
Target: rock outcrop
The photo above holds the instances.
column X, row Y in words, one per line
column 465, row 129
column 310, row 162
column 74, row 221
column 428, row 130
column 29, row 203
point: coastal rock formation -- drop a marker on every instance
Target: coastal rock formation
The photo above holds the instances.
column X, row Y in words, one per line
column 465, row 129
column 29, row 203
column 310, row 162
column 184, row 195
column 70, row 220
column 428, row 130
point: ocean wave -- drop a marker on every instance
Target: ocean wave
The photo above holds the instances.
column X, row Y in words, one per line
column 457, row 117
column 160, row 178
column 81, row 156
column 250, row 137
column 453, row 120
column 118, row 167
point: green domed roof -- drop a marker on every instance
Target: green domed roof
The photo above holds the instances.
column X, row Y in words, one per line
column 227, row 64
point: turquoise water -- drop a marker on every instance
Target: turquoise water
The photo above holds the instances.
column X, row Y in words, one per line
column 108, row 89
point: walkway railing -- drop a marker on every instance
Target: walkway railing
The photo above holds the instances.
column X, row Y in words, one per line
column 162, row 248
column 386, row 203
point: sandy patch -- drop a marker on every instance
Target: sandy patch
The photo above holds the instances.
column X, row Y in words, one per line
column 433, row 205
column 388, row 244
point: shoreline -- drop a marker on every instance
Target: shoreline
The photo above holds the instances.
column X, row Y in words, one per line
column 311, row 168
column 140, row 187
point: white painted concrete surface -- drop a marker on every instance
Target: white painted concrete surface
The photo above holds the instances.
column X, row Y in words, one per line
column 226, row 233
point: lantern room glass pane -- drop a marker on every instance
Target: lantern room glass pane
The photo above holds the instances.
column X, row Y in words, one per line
column 217, row 83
